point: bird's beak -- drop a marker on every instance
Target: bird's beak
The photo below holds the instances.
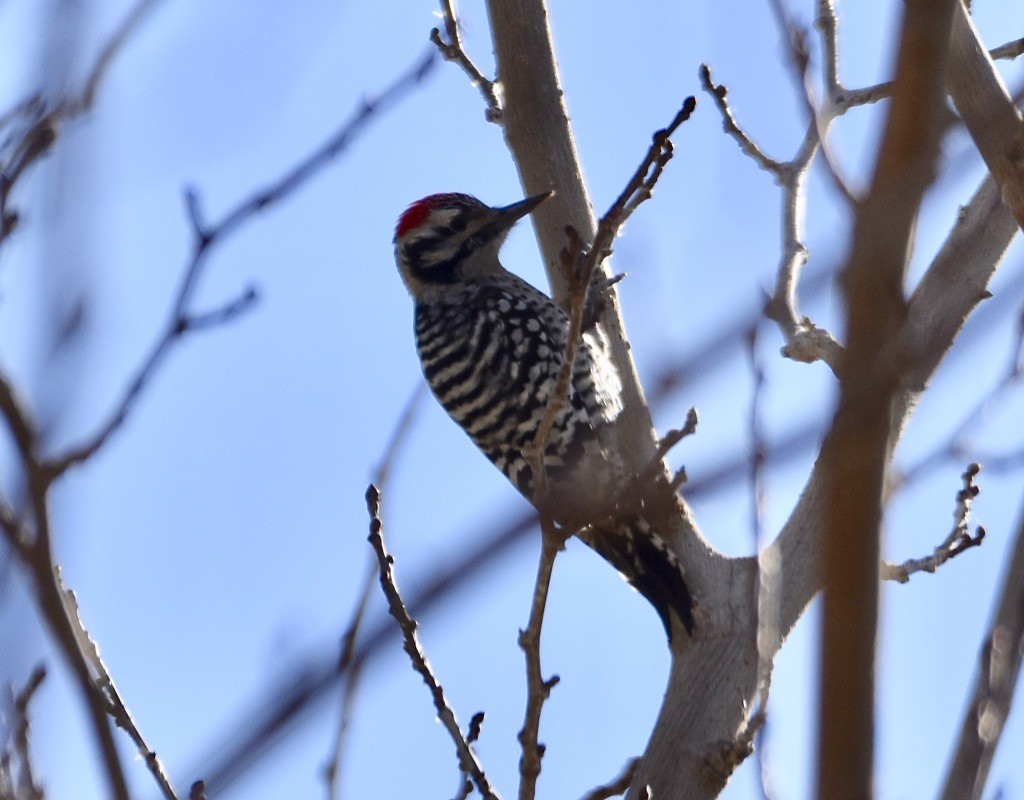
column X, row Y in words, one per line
column 508, row 216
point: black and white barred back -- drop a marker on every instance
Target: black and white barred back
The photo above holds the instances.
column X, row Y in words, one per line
column 492, row 347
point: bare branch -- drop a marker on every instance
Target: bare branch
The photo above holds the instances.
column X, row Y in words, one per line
column 43, row 125
column 468, row 762
column 223, row 315
column 135, row 17
column 720, row 92
column 452, row 50
column 33, row 546
column 995, row 679
column 105, row 683
column 804, row 341
column 580, row 263
column 348, row 662
column 181, row 320
column 472, row 734
column 1008, row 51
column 17, row 778
column 799, row 59
column 958, row 540
column 846, row 99
column 857, row 448
column 617, row 786
column 984, row 104
column 538, row 689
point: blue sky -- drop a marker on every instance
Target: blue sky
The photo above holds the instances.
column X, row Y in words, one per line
column 219, row 539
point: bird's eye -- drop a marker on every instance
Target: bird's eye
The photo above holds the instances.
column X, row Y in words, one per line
column 458, row 225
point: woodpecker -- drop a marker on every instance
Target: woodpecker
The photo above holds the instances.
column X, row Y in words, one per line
column 491, row 347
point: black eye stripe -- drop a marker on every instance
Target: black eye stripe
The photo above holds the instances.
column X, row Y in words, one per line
column 414, row 251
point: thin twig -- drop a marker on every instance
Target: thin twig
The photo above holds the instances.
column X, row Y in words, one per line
column 804, row 340
column 32, row 543
column 115, row 706
column 16, row 769
column 538, row 689
column 347, row 662
column 472, row 734
column 580, row 264
column 720, row 93
column 853, row 98
column 452, row 50
column 181, row 320
column 995, row 680
column 615, row 787
column 799, row 60
column 958, row 540
column 43, row 125
column 396, row 606
column 135, row 17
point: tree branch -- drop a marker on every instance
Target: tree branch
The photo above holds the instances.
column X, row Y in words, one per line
column 804, row 341
column 992, row 119
column 468, row 762
column 538, row 688
column 452, row 50
column 958, row 540
column 105, row 683
column 348, row 661
column 182, row 320
column 617, row 786
column 858, row 446
column 999, row 665
column 32, row 542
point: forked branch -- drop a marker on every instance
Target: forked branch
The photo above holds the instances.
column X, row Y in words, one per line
column 958, row 540
column 452, row 50
column 468, row 762
column 580, row 264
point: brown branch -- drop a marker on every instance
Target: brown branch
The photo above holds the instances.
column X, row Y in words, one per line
column 958, row 540
column 858, row 445
column 452, row 50
column 472, row 735
column 468, row 762
column 538, row 689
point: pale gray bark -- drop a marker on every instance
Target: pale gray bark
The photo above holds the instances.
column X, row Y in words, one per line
column 714, row 675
